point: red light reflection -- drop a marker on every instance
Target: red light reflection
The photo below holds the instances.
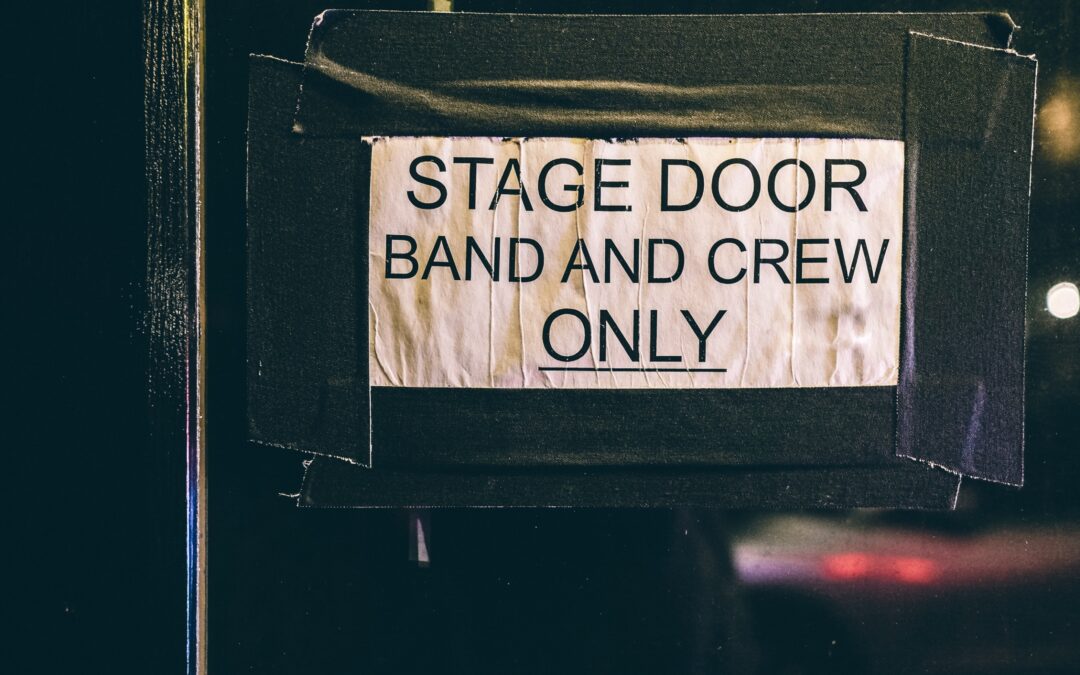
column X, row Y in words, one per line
column 916, row 570
column 851, row 566
column 845, row 566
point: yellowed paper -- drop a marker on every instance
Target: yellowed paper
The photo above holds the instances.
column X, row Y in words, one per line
column 648, row 263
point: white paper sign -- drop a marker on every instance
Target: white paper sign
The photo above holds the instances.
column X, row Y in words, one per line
column 689, row 263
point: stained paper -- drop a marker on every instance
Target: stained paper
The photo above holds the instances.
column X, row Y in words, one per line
column 645, row 263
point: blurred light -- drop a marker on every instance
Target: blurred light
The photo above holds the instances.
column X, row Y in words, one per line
column 1063, row 300
column 855, row 566
column 1058, row 122
column 915, row 570
column 846, row 566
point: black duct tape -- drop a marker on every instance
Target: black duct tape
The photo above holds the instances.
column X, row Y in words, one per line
column 334, row 484
column 960, row 398
column 410, row 73
column 454, row 74
column 307, row 324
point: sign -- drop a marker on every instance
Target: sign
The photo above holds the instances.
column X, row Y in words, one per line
column 742, row 291
column 645, row 263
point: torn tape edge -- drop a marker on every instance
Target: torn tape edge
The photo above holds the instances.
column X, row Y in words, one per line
column 300, row 504
column 960, row 474
column 309, row 451
column 687, row 15
column 316, row 22
column 271, row 57
column 307, row 462
column 1003, row 50
column 296, row 127
column 1027, row 276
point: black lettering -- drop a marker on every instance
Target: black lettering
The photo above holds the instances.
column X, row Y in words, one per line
column 407, row 255
column 570, row 187
column 634, row 352
column 712, row 262
column 702, row 335
column 598, row 203
column 860, row 245
column 698, row 191
column 653, row 243
column 535, row 245
column 586, row 338
column 586, row 263
column 653, row 338
column 512, row 166
column 440, row 243
column 611, row 250
column 473, row 162
column 424, row 180
column 810, row 185
column 492, row 266
column 845, row 185
column 753, row 175
column 775, row 262
column 801, row 259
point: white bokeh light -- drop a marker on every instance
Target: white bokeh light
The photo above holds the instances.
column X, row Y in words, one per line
column 1063, row 300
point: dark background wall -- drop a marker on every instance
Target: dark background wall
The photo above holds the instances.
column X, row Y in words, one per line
column 94, row 513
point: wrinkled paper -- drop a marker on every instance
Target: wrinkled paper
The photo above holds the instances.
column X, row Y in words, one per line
column 765, row 262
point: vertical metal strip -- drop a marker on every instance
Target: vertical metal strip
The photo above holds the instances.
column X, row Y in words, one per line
column 173, row 52
column 195, row 12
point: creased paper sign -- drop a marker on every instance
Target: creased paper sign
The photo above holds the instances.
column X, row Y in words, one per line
column 689, row 263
